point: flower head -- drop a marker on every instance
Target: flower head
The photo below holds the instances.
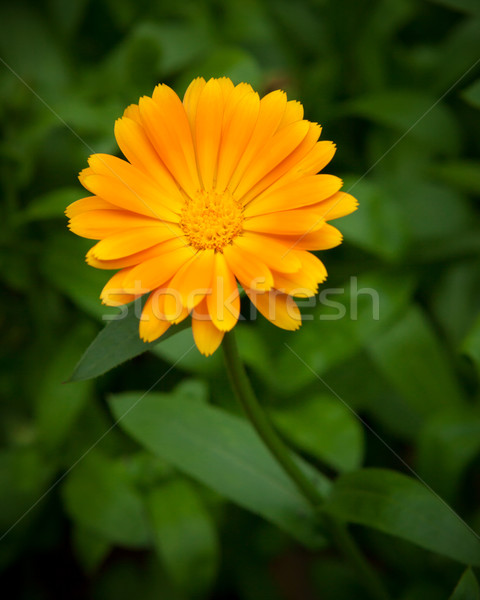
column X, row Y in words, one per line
column 218, row 190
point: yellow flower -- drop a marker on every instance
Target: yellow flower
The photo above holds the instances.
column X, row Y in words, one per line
column 218, row 190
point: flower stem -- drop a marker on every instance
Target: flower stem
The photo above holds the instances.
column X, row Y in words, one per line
column 259, row 419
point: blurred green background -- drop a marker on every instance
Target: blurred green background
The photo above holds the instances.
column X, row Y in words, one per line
column 395, row 84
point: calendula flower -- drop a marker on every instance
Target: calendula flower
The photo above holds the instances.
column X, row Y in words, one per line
column 218, row 190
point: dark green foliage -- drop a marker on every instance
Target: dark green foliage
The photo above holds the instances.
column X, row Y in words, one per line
column 171, row 495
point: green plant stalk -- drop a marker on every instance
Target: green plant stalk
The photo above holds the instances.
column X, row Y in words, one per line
column 337, row 530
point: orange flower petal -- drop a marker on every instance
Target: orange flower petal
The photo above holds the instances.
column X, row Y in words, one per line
column 191, row 282
column 293, row 113
column 137, row 148
column 274, row 152
column 99, row 224
column 90, row 203
column 133, row 112
column 190, row 100
column 167, row 126
column 152, row 321
column 122, row 184
column 322, row 239
column 288, row 222
column 286, row 170
column 338, row 205
column 306, row 191
column 272, row 109
column 115, row 294
column 208, row 131
column 298, row 285
column 129, row 242
column 250, row 270
column 137, row 257
column 154, row 272
column 224, row 301
column 207, row 337
column 272, row 252
column 236, row 136
column 278, row 308
column 318, row 158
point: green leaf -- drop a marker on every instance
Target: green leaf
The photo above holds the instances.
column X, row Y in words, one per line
column 90, row 547
column 231, row 62
column 63, row 265
column 413, row 359
column 410, row 111
column 57, row 404
column 24, row 477
column 430, row 211
column 99, row 495
column 378, row 226
column 348, row 317
column 118, row 342
column 51, row 205
column 451, row 439
column 467, row 588
column 454, row 299
column 401, row 506
column 68, row 15
column 461, row 174
column 184, row 536
column 468, row 6
column 471, row 344
column 223, row 452
column 472, row 94
column 324, row 428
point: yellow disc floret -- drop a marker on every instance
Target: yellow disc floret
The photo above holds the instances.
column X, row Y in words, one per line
column 211, row 220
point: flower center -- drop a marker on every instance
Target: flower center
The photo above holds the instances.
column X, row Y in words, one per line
column 211, row 220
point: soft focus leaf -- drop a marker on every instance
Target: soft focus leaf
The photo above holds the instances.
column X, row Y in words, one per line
column 98, row 495
column 23, row 27
column 231, row 62
column 378, row 227
column 450, row 439
column 51, row 205
column 461, row 174
column 223, row 452
column 467, row 588
column 411, row 113
column 184, row 535
column 468, row 6
column 348, row 317
column 455, row 299
column 403, row 507
column 67, row 15
column 58, row 404
column 412, row 358
column 64, row 266
column 90, row 547
column 471, row 345
column 472, row 94
column 324, row 428
column 24, row 479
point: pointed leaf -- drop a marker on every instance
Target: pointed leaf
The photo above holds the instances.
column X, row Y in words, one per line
column 467, row 587
column 118, row 342
column 223, row 452
column 403, row 507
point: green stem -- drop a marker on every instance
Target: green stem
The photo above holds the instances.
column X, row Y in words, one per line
column 259, row 419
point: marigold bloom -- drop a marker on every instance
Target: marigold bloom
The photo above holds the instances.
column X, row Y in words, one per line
column 218, row 190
